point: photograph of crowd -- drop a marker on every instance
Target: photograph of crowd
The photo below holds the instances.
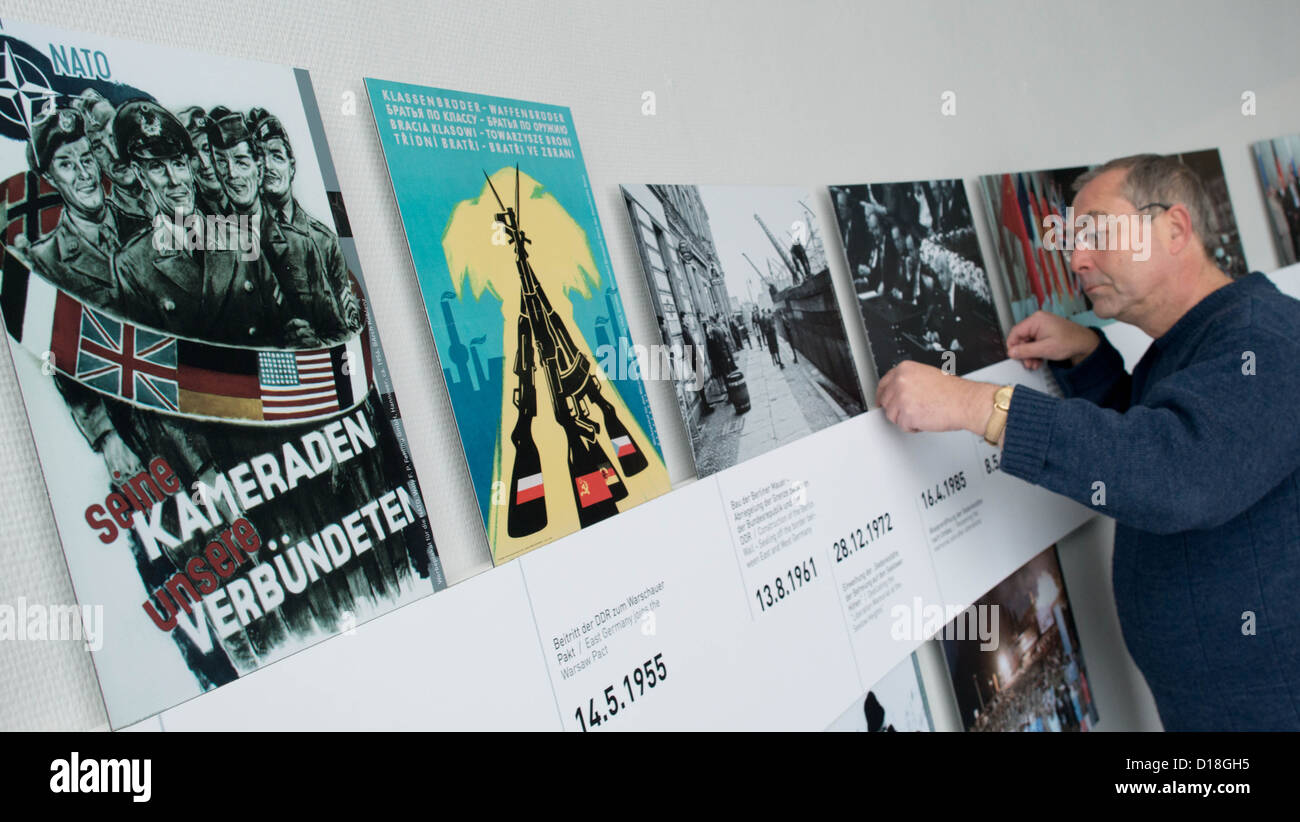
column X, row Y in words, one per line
column 919, row 275
column 1034, row 679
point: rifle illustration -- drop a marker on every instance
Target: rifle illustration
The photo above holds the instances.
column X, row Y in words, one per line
column 542, row 336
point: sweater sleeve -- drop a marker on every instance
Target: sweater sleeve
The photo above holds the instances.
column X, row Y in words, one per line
column 1100, row 377
column 1207, row 442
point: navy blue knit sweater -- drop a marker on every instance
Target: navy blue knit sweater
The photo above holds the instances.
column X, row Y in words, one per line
column 1199, row 453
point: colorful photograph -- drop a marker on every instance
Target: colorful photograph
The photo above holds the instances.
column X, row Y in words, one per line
column 1034, row 679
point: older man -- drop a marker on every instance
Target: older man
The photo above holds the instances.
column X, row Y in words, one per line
column 1193, row 454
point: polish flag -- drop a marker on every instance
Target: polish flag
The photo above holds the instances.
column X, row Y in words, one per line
column 624, row 446
column 530, row 488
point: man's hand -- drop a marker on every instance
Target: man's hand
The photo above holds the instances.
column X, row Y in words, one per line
column 301, row 333
column 119, row 457
column 919, row 397
column 1043, row 336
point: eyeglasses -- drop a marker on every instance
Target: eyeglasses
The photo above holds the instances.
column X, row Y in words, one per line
column 1093, row 238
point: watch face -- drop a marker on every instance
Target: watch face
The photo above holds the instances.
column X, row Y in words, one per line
column 1003, row 395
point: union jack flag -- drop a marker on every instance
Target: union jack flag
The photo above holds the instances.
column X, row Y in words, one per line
column 133, row 363
column 296, row 384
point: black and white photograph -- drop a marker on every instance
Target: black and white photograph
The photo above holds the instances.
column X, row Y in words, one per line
column 918, row 274
column 896, row 703
column 747, row 313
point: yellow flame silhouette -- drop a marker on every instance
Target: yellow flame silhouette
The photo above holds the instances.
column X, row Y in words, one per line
column 561, row 257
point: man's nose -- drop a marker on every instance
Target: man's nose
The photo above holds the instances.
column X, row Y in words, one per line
column 109, row 148
column 1081, row 260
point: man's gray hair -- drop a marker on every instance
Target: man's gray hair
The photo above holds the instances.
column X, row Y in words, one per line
column 1154, row 178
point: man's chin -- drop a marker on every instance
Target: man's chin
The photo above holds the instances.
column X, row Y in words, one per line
column 1104, row 311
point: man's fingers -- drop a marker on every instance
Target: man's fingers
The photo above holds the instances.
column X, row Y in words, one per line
column 882, row 388
column 1034, row 349
column 1026, row 329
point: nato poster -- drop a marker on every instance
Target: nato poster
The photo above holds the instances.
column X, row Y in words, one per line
column 212, row 411
column 525, row 312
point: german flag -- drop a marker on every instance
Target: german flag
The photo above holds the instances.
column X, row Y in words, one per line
column 219, row 382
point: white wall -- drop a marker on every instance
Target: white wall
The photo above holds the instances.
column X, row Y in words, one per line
column 807, row 93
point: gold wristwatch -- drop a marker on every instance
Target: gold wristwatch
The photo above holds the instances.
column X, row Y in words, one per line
column 998, row 419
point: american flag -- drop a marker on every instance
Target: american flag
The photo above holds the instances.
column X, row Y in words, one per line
column 296, row 384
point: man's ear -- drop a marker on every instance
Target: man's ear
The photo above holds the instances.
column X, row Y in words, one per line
column 1180, row 227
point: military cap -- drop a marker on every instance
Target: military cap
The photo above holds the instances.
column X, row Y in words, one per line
column 266, row 126
column 59, row 127
column 96, row 109
column 229, row 131
column 145, row 130
column 195, row 120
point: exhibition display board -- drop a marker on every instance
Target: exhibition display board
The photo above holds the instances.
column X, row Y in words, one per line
column 232, row 483
column 812, row 575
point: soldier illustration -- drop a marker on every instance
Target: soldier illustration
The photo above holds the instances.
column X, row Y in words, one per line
column 211, row 196
column 127, row 192
column 216, row 296
column 277, row 191
column 289, row 253
column 212, row 294
column 77, row 257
